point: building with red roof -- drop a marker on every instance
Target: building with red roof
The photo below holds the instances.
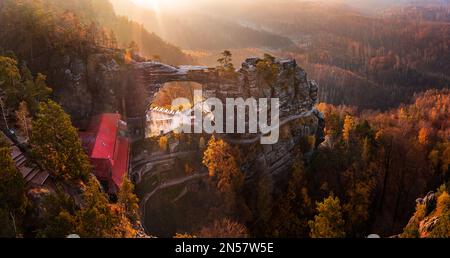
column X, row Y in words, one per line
column 106, row 143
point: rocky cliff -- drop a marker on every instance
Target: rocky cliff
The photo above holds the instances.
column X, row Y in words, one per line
column 86, row 85
column 287, row 81
column 282, row 79
column 109, row 81
column 432, row 216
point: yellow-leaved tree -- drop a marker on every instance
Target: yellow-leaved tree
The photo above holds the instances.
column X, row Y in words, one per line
column 328, row 223
column 220, row 159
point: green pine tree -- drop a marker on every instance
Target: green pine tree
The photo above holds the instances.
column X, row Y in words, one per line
column 12, row 195
column 55, row 144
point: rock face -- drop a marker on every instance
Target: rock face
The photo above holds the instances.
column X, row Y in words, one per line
column 429, row 201
column 429, row 221
column 431, row 218
column 297, row 96
column 296, row 93
column 106, row 81
column 300, row 121
column 89, row 85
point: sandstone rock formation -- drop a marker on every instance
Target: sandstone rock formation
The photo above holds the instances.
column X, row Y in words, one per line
column 297, row 96
column 108, row 81
column 300, row 121
column 431, row 218
column 88, row 85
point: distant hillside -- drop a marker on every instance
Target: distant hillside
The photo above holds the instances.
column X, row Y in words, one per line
column 378, row 5
column 93, row 13
column 127, row 30
column 341, row 86
column 403, row 48
column 197, row 29
column 430, row 13
column 400, row 53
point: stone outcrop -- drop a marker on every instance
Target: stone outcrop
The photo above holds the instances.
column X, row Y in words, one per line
column 106, row 81
column 297, row 96
column 300, row 121
column 296, row 93
column 429, row 202
column 429, row 220
column 431, row 217
column 87, row 85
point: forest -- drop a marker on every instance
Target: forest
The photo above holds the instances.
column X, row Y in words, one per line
column 382, row 168
column 52, row 142
column 36, row 29
column 389, row 54
column 364, row 178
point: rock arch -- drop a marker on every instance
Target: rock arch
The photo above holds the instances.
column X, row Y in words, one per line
column 296, row 93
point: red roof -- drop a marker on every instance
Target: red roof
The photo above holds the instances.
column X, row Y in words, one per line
column 105, row 126
column 108, row 150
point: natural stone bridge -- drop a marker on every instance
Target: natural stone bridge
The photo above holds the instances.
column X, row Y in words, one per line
column 296, row 93
column 298, row 117
column 297, row 96
column 106, row 82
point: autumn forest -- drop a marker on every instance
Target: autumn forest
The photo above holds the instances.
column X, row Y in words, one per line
column 86, row 90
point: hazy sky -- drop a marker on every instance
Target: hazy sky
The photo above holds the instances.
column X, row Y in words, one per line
column 163, row 3
column 156, row 4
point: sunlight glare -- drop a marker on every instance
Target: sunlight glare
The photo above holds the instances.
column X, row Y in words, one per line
column 155, row 4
